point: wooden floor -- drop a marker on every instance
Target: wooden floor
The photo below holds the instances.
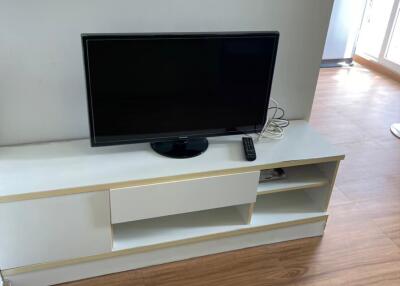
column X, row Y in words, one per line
column 361, row 246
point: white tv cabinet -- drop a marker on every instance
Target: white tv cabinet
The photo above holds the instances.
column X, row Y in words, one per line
column 69, row 211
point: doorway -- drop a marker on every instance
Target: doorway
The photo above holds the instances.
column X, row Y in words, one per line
column 379, row 38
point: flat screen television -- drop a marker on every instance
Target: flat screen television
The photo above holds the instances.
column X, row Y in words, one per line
column 174, row 90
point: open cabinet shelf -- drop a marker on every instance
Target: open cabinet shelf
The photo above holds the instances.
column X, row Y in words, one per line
column 269, row 210
column 176, row 227
column 286, row 207
column 299, row 177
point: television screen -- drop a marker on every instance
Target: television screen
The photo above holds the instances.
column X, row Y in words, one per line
column 156, row 87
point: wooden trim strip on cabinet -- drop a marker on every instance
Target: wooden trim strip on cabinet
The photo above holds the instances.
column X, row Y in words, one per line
column 250, row 212
column 102, row 187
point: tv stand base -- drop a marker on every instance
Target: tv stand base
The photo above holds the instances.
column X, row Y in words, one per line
column 181, row 149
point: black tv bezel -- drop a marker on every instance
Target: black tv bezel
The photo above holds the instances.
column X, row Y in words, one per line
column 174, row 135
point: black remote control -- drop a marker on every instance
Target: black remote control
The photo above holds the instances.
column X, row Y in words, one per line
column 249, row 149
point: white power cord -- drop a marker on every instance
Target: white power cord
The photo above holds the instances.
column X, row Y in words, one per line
column 274, row 127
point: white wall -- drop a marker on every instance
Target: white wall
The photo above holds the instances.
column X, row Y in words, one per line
column 343, row 29
column 42, row 91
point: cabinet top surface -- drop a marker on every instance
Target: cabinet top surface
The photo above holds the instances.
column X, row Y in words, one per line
column 48, row 168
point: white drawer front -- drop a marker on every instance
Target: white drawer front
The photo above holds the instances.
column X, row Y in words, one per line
column 141, row 202
column 52, row 229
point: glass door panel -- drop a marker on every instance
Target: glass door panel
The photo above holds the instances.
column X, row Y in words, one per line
column 374, row 26
column 393, row 50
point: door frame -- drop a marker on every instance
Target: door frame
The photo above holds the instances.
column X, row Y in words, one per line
column 394, row 17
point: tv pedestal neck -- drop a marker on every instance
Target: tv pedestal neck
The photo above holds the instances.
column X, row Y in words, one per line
column 182, row 148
